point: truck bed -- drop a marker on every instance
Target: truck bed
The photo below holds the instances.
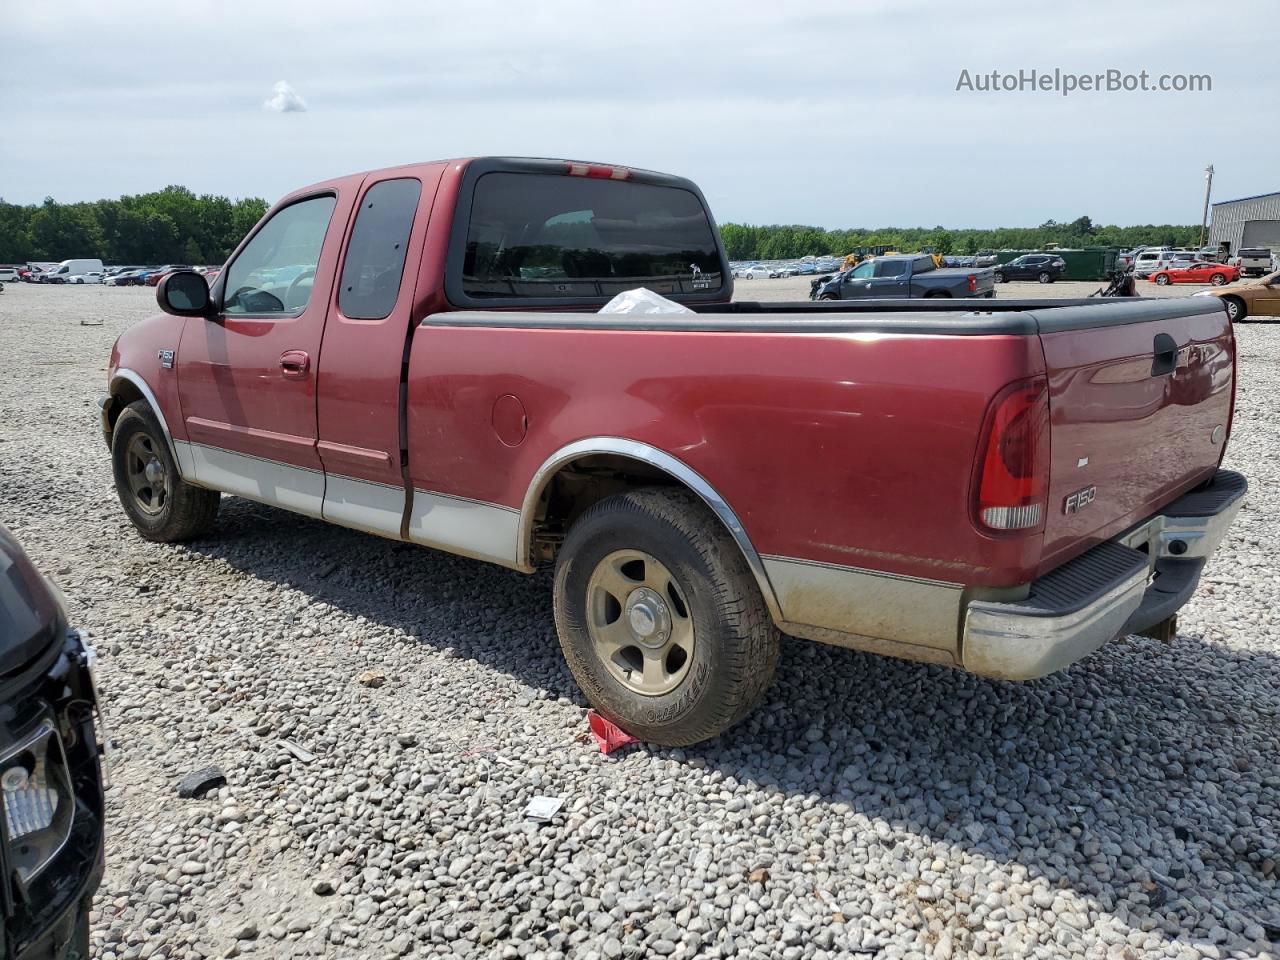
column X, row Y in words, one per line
column 846, row 434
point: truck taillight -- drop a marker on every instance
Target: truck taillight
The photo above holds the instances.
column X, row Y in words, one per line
column 1013, row 478
column 973, row 283
column 599, row 171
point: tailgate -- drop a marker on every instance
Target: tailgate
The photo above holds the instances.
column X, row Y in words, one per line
column 1140, row 403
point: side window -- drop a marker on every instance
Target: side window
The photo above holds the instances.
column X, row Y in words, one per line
column 375, row 256
column 274, row 274
column 891, row 268
column 863, row 270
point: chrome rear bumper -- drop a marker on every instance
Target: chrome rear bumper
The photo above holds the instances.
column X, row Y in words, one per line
column 1125, row 585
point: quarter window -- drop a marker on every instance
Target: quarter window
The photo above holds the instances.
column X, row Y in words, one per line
column 275, row 272
column 375, row 256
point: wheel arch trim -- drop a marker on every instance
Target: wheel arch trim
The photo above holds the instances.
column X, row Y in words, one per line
column 135, row 378
column 654, row 457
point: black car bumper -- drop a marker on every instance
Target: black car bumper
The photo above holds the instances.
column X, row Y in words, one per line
column 47, row 896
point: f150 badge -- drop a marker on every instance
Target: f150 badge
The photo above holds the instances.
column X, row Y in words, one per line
column 1079, row 500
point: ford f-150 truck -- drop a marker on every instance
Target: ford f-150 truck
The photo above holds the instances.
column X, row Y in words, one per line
column 416, row 352
column 904, row 277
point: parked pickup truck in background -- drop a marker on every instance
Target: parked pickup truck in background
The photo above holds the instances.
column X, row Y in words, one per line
column 1255, row 261
column 999, row 485
column 904, row 277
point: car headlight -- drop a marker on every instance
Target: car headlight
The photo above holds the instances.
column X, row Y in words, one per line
column 38, row 804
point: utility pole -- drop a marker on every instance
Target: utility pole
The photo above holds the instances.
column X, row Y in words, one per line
column 1208, row 185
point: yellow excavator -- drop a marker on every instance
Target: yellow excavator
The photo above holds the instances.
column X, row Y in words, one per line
column 853, row 259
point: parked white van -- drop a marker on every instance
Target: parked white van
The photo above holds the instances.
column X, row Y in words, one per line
column 1147, row 262
column 1154, row 259
column 67, row 269
column 8, row 274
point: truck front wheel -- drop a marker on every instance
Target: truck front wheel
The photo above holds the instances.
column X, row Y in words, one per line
column 660, row 619
column 161, row 505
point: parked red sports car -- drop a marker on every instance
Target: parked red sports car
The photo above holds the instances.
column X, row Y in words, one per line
column 1199, row 271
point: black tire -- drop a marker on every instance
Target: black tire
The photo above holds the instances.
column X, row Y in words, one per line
column 735, row 643
column 1045, row 277
column 173, row 510
column 1000, row 277
column 936, row 293
column 1162, row 279
column 828, row 296
column 1218, row 279
column 1236, row 309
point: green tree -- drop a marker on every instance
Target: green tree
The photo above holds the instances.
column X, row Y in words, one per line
column 60, row 232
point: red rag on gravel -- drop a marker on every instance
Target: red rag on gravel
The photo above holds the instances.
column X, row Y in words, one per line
column 608, row 734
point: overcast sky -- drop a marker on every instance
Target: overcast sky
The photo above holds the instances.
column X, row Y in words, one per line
column 837, row 114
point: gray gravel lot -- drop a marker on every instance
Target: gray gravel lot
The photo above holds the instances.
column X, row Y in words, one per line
column 1126, row 808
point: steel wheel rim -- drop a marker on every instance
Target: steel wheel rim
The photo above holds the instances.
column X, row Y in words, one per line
column 640, row 623
column 148, row 478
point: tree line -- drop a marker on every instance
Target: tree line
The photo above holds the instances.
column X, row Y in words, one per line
column 785, row 242
column 172, row 225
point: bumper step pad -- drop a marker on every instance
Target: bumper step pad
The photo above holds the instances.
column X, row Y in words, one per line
column 1082, row 581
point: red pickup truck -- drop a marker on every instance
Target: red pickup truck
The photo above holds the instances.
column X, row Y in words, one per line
column 416, row 352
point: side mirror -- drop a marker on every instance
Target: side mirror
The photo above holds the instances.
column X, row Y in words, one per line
column 184, row 293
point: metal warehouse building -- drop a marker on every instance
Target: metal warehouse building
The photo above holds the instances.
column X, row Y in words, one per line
column 1247, row 222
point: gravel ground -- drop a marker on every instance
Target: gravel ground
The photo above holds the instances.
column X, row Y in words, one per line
column 1125, row 808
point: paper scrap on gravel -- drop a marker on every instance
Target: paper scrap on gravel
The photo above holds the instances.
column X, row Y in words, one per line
column 542, row 809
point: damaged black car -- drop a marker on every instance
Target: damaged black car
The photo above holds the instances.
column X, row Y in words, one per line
column 51, row 772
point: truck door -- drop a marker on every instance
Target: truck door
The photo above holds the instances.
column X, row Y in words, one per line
column 892, row 279
column 857, row 283
column 363, row 353
column 247, row 377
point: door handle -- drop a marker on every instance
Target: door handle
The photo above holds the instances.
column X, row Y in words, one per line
column 294, row 364
column 1164, row 355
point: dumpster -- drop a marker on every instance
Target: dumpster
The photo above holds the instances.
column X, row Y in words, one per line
column 1086, row 263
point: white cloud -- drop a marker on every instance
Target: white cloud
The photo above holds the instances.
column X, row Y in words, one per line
column 285, row 100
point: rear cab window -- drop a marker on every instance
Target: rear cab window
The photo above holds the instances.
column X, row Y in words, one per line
column 551, row 236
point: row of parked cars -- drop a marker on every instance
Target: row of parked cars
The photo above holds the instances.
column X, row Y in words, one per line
column 1147, row 262
column 92, row 271
column 774, row 270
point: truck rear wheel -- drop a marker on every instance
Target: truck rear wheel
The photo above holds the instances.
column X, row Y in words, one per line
column 660, row 619
column 161, row 505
